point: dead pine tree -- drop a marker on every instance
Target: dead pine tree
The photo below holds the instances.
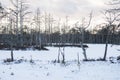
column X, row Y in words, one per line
column 11, row 37
column 59, row 43
column 5, row 13
column 62, row 53
column 16, row 15
column 20, row 12
column 64, row 39
column 83, row 28
column 38, row 22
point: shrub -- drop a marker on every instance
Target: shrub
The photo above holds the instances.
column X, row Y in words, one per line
column 100, row 59
column 89, row 60
column 118, row 57
column 8, row 60
column 12, row 74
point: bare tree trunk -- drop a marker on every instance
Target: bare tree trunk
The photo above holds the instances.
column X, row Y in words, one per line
column 107, row 40
column 21, row 24
column 11, row 38
column 106, row 48
column 84, row 27
column 39, row 27
column 12, row 57
column 63, row 55
column 59, row 55
column 84, row 51
column 78, row 61
column 59, row 42
column 45, row 24
column 78, row 58
column 83, row 48
column 106, row 45
column 17, row 21
column 31, row 37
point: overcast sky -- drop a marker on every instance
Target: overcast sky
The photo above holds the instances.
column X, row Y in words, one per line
column 75, row 9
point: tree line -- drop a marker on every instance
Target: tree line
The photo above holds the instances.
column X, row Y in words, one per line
column 73, row 36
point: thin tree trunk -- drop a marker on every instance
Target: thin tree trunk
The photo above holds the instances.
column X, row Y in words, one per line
column 84, row 51
column 78, row 61
column 63, row 55
column 78, row 58
column 83, row 48
column 106, row 48
column 12, row 58
column 59, row 55
column 21, row 24
column 11, row 38
column 106, row 44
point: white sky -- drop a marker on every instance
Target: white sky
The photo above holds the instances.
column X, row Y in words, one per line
column 75, row 9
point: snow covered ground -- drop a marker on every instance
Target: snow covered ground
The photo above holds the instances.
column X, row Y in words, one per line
column 43, row 67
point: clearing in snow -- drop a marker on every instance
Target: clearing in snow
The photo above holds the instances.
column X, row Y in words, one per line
column 41, row 65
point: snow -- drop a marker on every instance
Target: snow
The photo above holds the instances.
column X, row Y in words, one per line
column 44, row 68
